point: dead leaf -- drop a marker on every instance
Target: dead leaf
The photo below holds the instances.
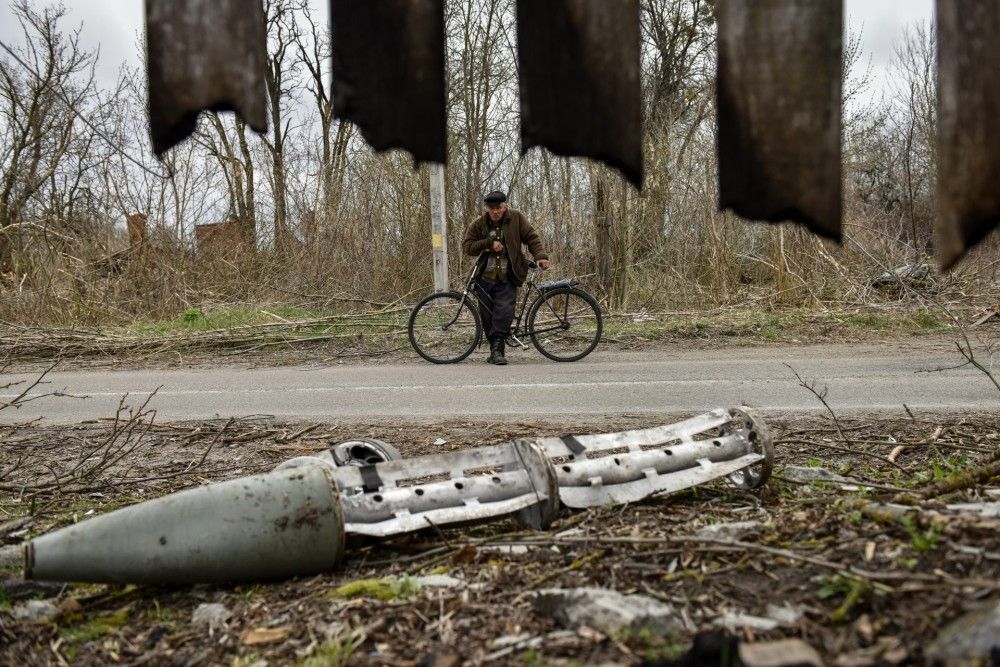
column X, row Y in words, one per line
column 266, row 635
column 467, row 554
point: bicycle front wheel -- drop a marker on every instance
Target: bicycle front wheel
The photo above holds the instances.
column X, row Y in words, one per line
column 444, row 328
column 565, row 324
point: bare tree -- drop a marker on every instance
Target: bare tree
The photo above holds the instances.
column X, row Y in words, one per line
column 314, row 51
column 282, row 37
column 43, row 86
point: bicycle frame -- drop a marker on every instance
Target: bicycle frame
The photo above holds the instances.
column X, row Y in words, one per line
column 519, row 311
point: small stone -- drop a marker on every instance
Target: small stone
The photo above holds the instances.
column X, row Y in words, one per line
column 440, row 581
column 737, row 621
column 606, row 611
column 781, row 653
column 35, row 611
column 804, row 474
column 973, row 638
column 988, row 510
column 786, row 615
column 214, row 615
column 729, row 531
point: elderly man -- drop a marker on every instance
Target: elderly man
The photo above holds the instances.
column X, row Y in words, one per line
column 496, row 238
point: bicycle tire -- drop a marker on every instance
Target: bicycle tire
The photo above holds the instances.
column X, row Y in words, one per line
column 585, row 310
column 429, row 317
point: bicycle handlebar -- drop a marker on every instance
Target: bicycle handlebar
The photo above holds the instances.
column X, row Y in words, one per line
column 531, row 264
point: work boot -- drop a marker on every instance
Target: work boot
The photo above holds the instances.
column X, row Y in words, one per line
column 496, row 349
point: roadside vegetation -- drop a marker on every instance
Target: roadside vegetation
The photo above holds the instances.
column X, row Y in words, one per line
column 234, row 229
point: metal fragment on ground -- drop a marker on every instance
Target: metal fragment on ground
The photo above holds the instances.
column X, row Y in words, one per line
column 203, row 55
column 617, row 468
column 479, row 484
column 579, row 78
column 283, row 524
column 779, row 111
column 968, row 133
column 293, row 521
column 389, row 73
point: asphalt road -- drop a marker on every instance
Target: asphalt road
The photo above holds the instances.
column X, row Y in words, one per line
column 858, row 379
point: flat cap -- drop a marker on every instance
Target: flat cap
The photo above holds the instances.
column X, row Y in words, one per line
column 495, row 197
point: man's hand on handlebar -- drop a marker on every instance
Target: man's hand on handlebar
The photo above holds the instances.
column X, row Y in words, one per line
column 543, row 264
column 497, row 246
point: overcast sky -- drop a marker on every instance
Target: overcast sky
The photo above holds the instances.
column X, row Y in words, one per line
column 115, row 25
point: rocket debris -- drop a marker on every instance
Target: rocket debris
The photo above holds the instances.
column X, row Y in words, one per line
column 618, row 468
column 283, row 524
column 293, row 521
column 407, row 495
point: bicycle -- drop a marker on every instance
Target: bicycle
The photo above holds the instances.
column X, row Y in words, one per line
column 563, row 321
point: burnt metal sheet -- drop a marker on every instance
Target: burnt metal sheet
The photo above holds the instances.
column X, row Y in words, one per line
column 579, row 77
column 969, row 131
column 203, row 55
column 779, row 111
column 389, row 73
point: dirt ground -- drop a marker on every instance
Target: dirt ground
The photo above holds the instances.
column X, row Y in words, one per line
column 861, row 584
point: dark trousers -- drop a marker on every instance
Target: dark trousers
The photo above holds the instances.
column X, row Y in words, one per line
column 496, row 305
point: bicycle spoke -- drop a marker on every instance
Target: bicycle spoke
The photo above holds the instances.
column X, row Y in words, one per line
column 565, row 325
column 444, row 329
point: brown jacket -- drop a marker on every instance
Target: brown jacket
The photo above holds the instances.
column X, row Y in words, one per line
column 518, row 231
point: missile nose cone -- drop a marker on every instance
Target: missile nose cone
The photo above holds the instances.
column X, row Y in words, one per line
column 282, row 524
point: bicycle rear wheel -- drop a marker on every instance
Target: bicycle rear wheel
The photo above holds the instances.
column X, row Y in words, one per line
column 565, row 324
column 444, row 328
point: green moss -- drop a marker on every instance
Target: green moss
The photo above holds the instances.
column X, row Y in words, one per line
column 96, row 627
column 533, row 658
column 652, row 646
column 926, row 319
column 384, row 589
column 333, row 653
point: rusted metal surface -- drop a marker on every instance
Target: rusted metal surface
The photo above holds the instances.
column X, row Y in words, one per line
column 618, row 468
column 283, row 524
column 779, row 108
column 968, row 125
column 203, row 55
column 389, row 73
column 579, row 76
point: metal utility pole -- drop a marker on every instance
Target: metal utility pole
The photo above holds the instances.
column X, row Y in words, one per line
column 439, row 228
